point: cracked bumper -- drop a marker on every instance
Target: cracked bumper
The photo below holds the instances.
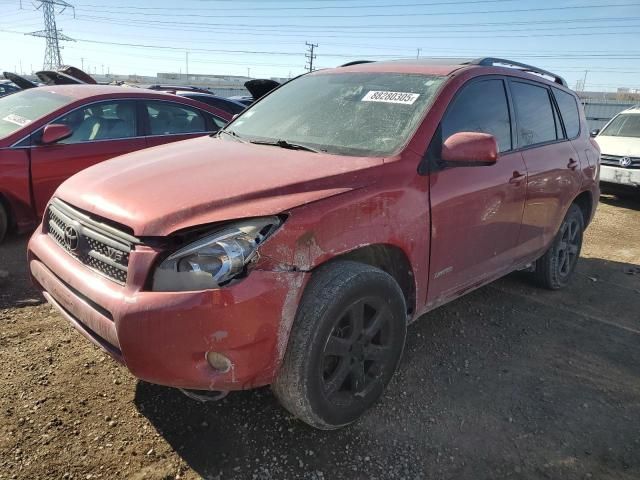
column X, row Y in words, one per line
column 621, row 176
column 163, row 337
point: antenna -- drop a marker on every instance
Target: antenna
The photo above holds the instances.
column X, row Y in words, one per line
column 311, row 56
column 52, row 57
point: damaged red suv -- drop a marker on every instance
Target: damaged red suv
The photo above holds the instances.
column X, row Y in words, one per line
column 294, row 247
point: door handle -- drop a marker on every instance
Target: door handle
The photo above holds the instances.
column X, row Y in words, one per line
column 517, row 178
column 573, row 164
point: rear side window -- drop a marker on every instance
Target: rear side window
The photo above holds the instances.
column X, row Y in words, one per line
column 480, row 107
column 569, row 111
column 534, row 113
column 101, row 121
column 167, row 118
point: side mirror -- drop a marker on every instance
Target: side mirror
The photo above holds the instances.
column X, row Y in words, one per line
column 594, row 132
column 54, row 132
column 468, row 149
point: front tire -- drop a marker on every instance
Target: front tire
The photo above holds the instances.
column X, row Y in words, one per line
column 554, row 269
column 345, row 344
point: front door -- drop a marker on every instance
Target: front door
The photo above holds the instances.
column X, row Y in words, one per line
column 101, row 131
column 476, row 212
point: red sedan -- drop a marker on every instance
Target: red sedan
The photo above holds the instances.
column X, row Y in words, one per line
column 48, row 134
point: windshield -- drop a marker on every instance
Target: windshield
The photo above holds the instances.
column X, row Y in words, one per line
column 344, row 113
column 22, row 108
column 624, row 125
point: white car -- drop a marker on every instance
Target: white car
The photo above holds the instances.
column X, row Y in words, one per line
column 619, row 142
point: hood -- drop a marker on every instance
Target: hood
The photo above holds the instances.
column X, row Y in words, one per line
column 160, row 190
column 49, row 77
column 19, row 81
column 619, row 146
column 77, row 73
column 260, row 87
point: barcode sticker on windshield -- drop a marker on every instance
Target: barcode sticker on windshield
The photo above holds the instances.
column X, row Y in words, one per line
column 391, row 97
column 16, row 119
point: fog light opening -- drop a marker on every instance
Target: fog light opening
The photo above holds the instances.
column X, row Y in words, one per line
column 218, row 362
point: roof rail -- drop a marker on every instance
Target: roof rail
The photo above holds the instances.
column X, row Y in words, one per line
column 356, row 62
column 490, row 62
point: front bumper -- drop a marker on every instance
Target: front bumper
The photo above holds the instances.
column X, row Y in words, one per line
column 620, row 176
column 163, row 337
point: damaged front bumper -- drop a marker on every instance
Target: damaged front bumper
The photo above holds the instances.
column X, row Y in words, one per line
column 164, row 337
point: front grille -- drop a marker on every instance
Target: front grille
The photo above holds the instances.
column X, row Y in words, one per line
column 614, row 161
column 100, row 247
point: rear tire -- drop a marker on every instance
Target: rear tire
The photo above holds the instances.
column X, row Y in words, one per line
column 345, row 344
column 4, row 222
column 554, row 269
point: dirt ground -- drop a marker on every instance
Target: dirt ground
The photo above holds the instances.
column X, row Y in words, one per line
column 508, row 382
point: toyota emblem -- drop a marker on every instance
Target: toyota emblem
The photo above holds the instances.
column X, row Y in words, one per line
column 625, row 162
column 71, row 239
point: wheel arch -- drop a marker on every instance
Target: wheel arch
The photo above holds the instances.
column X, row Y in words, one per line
column 584, row 201
column 388, row 258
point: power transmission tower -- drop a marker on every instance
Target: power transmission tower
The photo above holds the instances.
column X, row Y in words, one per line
column 311, row 56
column 52, row 57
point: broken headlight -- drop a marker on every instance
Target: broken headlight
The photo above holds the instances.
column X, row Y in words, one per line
column 214, row 260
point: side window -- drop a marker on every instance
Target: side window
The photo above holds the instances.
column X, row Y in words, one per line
column 534, row 112
column 101, row 121
column 218, row 122
column 480, row 107
column 167, row 118
column 569, row 111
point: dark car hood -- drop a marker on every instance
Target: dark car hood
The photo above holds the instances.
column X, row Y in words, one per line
column 50, row 77
column 77, row 73
column 19, row 81
column 194, row 182
column 260, row 87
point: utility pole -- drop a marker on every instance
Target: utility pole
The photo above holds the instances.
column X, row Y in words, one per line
column 187, row 64
column 584, row 81
column 52, row 57
column 82, row 63
column 311, row 55
column 418, row 54
column 248, row 72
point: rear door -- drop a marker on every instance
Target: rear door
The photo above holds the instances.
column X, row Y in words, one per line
column 553, row 165
column 476, row 211
column 167, row 121
column 101, row 130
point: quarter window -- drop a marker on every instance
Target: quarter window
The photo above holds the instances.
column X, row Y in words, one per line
column 480, row 107
column 101, row 121
column 166, row 118
column 534, row 112
column 569, row 111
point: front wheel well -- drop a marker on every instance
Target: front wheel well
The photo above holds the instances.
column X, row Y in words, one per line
column 585, row 202
column 389, row 259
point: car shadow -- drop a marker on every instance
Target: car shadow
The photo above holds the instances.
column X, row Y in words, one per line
column 629, row 199
column 16, row 289
column 508, row 380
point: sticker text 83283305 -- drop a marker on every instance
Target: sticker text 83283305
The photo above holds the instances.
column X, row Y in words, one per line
column 390, row 97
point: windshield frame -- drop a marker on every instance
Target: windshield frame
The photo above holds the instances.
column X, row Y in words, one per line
column 354, row 152
column 604, row 133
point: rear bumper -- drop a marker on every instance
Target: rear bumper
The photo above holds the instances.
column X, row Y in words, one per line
column 163, row 337
column 620, row 176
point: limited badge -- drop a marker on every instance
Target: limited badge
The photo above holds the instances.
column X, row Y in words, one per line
column 391, row 97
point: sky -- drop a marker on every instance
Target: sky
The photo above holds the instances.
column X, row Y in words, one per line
column 267, row 38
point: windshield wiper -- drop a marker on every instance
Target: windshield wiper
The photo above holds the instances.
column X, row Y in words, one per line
column 285, row 144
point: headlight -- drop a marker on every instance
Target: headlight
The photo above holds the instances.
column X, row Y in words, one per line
column 214, row 260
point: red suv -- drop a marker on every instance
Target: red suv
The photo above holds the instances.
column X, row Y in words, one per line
column 294, row 247
column 48, row 134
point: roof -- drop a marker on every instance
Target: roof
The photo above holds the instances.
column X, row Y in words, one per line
column 79, row 92
column 446, row 66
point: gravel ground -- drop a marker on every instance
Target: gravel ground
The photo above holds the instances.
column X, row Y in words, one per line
column 508, row 382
